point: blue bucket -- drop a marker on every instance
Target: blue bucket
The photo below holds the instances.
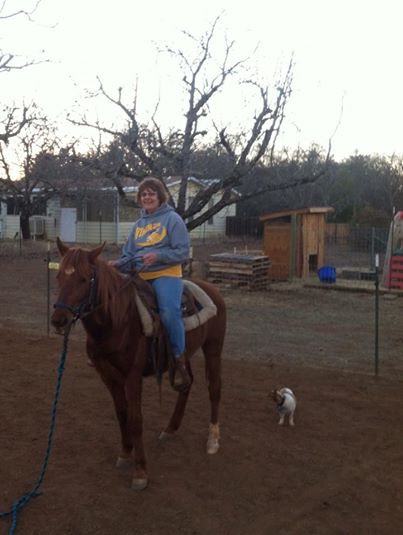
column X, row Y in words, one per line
column 327, row 274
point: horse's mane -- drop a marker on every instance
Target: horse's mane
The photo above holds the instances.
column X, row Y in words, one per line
column 115, row 292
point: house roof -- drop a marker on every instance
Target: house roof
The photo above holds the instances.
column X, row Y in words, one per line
column 175, row 180
column 298, row 211
column 205, row 183
column 128, row 184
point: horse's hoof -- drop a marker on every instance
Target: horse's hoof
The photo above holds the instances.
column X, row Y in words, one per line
column 123, row 462
column 164, row 436
column 212, row 447
column 139, row 483
column 213, row 441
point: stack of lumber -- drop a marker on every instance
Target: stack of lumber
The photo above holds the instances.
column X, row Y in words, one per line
column 244, row 270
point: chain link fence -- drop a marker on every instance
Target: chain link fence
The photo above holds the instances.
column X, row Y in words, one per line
column 351, row 248
column 346, row 246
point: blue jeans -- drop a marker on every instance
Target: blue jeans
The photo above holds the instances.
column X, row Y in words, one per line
column 169, row 294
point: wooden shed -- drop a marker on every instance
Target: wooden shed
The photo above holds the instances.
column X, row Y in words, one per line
column 294, row 241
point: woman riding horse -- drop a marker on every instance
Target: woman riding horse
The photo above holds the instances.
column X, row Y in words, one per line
column 157, row 245
column 105, row 301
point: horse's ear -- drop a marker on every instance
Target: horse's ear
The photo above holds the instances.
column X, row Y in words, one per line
column 61, row 246
column 94, row 253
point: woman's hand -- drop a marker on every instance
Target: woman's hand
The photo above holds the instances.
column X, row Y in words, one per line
column 149, row 259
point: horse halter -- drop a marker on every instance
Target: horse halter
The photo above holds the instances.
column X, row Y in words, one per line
column 84, row 308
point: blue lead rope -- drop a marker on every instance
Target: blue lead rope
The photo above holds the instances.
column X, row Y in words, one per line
column 22, row 502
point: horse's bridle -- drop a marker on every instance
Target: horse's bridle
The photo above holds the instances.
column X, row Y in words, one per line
column 88, row 305
column 84, row 308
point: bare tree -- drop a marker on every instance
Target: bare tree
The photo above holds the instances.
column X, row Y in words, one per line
column 33, row 189
column 9, row 61
column 24, row 132
column 146, row 149
column 13, row 119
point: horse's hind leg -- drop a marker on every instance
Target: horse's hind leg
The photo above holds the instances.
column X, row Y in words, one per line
column 212, row 354
column 179, row 410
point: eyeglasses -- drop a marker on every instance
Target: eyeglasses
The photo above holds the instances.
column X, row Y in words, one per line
column 148, row 194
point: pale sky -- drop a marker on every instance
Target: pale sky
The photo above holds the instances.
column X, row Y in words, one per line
column 347, row 61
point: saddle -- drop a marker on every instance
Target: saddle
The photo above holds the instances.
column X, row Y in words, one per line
column 197, row 308
column 145, row 292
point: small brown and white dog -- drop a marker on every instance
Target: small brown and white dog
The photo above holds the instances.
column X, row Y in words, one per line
column 286, row 403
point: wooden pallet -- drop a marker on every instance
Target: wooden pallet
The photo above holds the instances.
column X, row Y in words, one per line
column 242, row 270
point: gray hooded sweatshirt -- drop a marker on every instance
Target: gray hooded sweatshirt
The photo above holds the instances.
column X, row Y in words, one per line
column 162, row 232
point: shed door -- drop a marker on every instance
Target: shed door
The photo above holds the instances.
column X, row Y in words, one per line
column 68, row 220
column 313, row 231
column 277, row 243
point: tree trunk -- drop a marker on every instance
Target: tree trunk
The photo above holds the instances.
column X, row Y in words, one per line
column 26, row 233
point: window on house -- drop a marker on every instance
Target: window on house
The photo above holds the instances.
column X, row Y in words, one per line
column 128, row 213
column 14, row 206
column 94, row 208
column 101, row 209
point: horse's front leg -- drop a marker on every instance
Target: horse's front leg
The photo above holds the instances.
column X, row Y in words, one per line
column 115, row 384
column 119, row 399
column 133, row 389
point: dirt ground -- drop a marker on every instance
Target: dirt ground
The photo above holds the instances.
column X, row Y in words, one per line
column 338, row 471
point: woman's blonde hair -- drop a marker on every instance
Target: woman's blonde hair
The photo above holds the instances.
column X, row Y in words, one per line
column 154, row 185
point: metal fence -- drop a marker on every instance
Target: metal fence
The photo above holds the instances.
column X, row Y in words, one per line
column 243, row 226
column 346, row 245
column 355, row 247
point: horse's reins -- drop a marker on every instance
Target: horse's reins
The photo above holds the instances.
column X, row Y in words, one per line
column 89, row 305
column 77, row 312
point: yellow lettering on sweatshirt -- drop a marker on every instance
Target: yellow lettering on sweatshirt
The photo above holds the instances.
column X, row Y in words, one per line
column 154, row 237
column 140, row 231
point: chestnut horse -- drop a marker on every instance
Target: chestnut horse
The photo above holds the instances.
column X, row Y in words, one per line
column 104, row 300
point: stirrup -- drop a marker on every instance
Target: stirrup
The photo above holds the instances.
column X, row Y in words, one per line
column 184, row 378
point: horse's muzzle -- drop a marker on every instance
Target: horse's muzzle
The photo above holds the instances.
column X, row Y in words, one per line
column 61, row 321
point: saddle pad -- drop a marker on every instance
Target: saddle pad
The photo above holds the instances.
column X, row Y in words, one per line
column 207, row 310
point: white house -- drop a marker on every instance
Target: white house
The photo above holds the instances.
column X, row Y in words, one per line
column 99, row 215
column 213, row 227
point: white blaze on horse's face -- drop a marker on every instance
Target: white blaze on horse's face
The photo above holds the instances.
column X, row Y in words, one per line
column 69, row 271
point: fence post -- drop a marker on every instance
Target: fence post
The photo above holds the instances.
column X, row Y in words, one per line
column 392, row 237
column 372, row 262
column 376, row 314
column 20, row 237
column 47, row 287
column 100, row 225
